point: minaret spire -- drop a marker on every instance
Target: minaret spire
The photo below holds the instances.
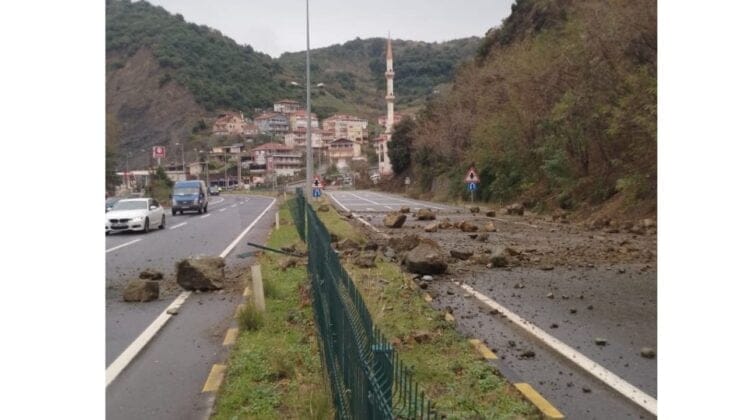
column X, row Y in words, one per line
column 384, row 164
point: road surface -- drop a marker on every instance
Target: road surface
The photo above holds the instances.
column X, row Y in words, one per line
column 593, row 296
column 164, row 379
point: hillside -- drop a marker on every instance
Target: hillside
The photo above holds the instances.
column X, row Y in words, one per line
column 353, row 72
column 164, row 75
column 558, row 110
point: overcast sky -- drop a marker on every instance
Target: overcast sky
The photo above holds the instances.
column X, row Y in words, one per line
column 275, row 27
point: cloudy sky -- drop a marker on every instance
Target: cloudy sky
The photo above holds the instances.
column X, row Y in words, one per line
column 275, row 27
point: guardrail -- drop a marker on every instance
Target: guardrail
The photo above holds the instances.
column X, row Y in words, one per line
column 368, row 380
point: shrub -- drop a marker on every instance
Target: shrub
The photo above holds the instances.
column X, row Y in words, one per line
column 250, row 318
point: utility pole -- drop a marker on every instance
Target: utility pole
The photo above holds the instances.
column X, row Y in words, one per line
column 239, row 169
column 309, row 151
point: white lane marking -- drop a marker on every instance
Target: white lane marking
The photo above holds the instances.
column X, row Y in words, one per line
column 371, row 201
column 135, row 347
column 178, row 225
column 122, row 245
column 369, row 208
column 220, row 200
column 205, row 215
column 358, row 218
column 337, row 201
column 233, row 205
column 239, row 238
column 411, row 202
column 620, row 385
column 222, row 210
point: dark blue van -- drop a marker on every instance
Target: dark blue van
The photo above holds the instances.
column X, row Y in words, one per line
column 189, row 195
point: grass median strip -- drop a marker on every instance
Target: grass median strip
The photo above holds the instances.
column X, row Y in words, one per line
column 451, row 371
column 274, row 369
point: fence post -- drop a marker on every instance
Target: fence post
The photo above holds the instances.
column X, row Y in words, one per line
column 277, row 220
column 259, row 293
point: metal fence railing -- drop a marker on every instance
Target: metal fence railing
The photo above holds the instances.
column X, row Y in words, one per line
column 368, row 380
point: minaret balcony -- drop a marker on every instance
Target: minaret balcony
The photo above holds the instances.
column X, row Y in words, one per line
column 390, row 97
column 389, row 73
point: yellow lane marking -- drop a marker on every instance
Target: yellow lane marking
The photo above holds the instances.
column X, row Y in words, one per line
column 238, row 309
column 427, row 297
column 214, row 378
column 539, row 401
column 230, row 338
column 449, row 317
column 483, row 349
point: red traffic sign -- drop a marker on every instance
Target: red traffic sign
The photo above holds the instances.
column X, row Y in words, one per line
column 472, row 176
column 158, row 152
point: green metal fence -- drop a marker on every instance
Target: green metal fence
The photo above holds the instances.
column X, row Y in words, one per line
column 368, row 380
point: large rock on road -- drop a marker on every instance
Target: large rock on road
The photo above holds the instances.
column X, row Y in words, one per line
column 141, row 291
column 201, row 273
column 426, row 258
column 394, row 220
column 425, row 214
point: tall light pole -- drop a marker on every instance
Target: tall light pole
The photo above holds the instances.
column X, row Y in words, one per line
column 309, row 149
column 182, row 149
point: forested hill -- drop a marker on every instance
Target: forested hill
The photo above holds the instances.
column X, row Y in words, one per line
column 215, row 69
column 558, row 110
column 353, row 73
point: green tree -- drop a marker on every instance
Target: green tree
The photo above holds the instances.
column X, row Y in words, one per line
column 399, row 148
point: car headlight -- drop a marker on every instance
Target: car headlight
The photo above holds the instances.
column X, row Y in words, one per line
column 137, row 219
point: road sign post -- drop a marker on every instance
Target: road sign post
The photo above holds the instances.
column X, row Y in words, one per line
column 472, row 179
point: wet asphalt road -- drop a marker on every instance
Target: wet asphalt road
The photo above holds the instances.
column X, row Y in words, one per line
column 165, row 380
column 623, row 311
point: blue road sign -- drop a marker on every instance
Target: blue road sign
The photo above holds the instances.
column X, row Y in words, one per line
column 472, row 186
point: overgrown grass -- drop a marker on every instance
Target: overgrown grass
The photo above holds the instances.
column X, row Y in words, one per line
column 451, row 372
column 275, row 371
column 250, row 318
column 337, row 224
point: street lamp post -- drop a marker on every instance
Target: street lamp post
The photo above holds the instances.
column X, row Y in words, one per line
column 309, row 149
column 182, row 149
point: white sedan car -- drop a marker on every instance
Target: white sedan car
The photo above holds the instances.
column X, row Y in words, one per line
column 134, row 214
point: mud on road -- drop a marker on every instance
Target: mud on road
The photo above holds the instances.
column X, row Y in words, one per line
column 577, row 283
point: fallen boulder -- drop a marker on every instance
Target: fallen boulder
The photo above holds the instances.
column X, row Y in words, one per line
column 426, row 258
column 489, row 227
column 425, row 214
column 445, row 224
column 461, row 255
column 394, row 220
column 286, row 263
column 404, row 210
column 475, row 209
column 648, row 223
column 150, row 274
column 138, row 290
column 498, row 257
column 365, row 260
column 404, row 243
column 201, row 273
column 468, row 227
column 432, row 227
column 346, row 244
column 516, row 208
column 491, row 213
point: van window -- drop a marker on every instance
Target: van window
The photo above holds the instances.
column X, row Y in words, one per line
column 186, row 190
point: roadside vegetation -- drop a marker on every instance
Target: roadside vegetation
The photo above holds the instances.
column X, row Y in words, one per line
column 274, row 369
column 558, row 110
column 447, row 367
